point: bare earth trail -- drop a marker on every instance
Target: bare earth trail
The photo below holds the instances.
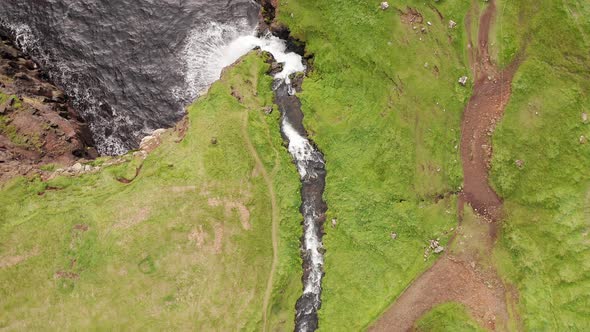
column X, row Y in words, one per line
column 465, row 273
column 274, row 218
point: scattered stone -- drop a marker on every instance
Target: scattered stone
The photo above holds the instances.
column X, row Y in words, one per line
column 429, row 23
column 436, row 247
column 583, row 139
column 267, row 110
column 585, row 117
column 452, row 24
column 334, row 222
column 384, row 5
column 519, row 163
column 213, row 140
column 463, row 80
column 77, row 167
column 393, row 235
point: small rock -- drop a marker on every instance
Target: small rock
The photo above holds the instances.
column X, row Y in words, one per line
column 77, row 167
column 429, row 23
column 146, row 141
column 158, row 132
column 519, row 163
column 583, row 139
column 214, row 140
column 384, row 5
column 87, row 168
column 393, row 235
column 334, row 222
column 463, row 80
column 267, row 110
column 584, row 117
column 439, row 249
column 452, row 24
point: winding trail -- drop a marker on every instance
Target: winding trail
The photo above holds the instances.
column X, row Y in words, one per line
column 465, row 273
column 274, row 218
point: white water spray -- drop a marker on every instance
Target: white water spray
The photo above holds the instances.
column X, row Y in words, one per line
column 215, row 46
column 224, row 45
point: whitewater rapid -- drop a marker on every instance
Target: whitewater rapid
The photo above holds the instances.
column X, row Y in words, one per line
column 309, row 161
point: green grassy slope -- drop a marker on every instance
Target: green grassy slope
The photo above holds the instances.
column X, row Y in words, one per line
column 167, row 251
column 384, row 106
column 545, row 245
column 448, row 317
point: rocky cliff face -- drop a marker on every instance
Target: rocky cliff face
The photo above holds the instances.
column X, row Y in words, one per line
column 38, row 126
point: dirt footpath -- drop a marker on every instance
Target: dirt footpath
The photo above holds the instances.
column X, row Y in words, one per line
column 465, row 274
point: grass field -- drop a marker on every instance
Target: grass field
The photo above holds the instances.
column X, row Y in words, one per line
column 545, row 246
column 384, row 106
column 172, row 250
column 188, row 244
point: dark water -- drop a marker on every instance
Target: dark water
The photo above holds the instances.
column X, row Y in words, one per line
column 129, row 66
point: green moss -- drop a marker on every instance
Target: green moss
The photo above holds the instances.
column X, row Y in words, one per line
column 449, row 317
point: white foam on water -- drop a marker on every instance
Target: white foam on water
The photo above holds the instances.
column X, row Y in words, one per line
column 23, row 35
column 214, row 46
column 301, row 150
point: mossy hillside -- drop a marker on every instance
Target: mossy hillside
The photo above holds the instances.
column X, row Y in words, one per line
column 162, row 252
column 383, row 103
column 544, row 248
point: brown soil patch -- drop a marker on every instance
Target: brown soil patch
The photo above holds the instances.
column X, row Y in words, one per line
column 218, row 241
column 81, row 227
column 136, row 218
column 466, row 274
column 230, row 205
column 198, row 236
column 491, row 93
column 411, row 16
column 39, row 125
column 182, row 189
column 9, row 261
column 450, row 279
